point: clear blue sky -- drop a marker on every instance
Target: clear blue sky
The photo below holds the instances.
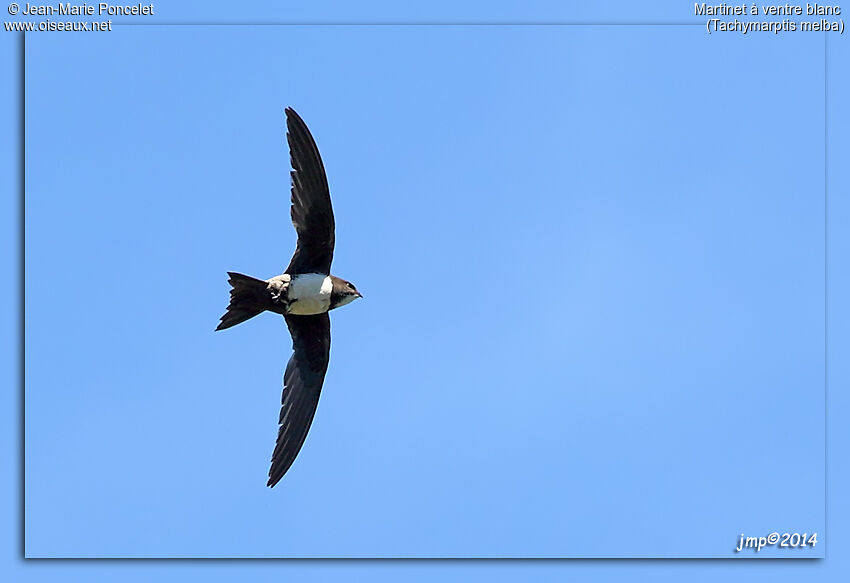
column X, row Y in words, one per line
column 593, row 268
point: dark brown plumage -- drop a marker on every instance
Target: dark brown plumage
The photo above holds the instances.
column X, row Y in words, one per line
column 304, row 294
column 311, row 211
column 305, row 373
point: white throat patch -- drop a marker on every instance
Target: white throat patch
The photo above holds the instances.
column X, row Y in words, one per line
column 310, row 293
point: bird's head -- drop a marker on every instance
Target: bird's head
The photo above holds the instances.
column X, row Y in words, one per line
column 343, row 292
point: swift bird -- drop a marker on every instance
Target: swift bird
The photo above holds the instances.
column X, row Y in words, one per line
column 303, row 294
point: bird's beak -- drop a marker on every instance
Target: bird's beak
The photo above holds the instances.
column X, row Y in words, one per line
column 359, row 295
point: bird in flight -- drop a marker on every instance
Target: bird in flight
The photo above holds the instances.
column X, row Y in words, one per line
column 303, row 294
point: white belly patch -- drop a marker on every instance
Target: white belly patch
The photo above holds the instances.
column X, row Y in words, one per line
column 309, row 293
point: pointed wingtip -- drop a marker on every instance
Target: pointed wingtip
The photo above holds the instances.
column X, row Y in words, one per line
column 293, row 117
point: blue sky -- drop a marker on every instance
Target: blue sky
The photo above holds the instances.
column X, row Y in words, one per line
column 612, row 238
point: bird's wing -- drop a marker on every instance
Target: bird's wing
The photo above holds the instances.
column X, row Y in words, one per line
column 312, row 214
column 302, row 383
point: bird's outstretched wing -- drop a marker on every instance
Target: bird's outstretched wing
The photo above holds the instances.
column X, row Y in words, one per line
column 312, row 214
column 302, row 383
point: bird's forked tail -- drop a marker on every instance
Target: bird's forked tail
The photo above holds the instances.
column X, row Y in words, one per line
column 247, row 299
